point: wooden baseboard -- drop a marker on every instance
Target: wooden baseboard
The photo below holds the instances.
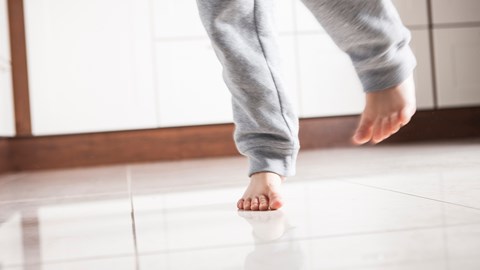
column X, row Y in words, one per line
column 4, row 156
column 50, row 152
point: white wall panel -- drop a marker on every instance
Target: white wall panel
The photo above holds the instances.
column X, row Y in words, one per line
column 7, row 119
column 457, row 60
column 455, row 11
column 420, row 45
column 329, row 84
column 90, row 65
column 190, row 87
column 412, row 12
column 176, row 18
column 4, row 32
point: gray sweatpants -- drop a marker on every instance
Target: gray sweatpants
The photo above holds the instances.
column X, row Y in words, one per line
column 243, row 36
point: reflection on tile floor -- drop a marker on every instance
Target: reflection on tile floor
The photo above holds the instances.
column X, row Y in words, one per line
column 390, row 208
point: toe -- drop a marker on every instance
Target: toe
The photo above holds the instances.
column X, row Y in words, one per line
column 247, row 203
column 386, row 128
column 363, row 134
column 275, row 201
column 263, row 203
column 240, row 204
column 377, row 131
column 395, row 123
column 254, row 205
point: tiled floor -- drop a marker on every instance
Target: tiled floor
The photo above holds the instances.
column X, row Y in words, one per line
column 385, row 207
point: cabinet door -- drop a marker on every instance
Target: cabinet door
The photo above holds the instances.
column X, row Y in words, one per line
column 7, row 121
column 455, row 11
column 305, row 21
column 412, row 12
column 190, row 87
column 180, row 18
column 420, row 45
column 329, row 84
column 90, row 65
column 176, row 18
column 285, row 15
column 457, row 62
column 4, row 33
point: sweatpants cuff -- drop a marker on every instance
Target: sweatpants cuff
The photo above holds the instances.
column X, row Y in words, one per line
column 383, row 77
column 279, row 161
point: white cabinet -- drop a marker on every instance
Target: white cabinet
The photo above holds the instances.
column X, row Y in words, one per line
column 285, row 15
column 90, row 65
column 289, row 61
column 101, row 65
column 329, row 84
column 457, row 59
column 420, row 45
column 305, row 21
column 4, row 33
column 190, row 87
column 455, row 11
column 189, row 84
column 7, row 119
column 176, row 18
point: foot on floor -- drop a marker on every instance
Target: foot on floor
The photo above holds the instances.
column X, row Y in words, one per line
column 263, row 193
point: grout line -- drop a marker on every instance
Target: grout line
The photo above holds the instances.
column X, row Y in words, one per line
column 154, row 65
column 453, row 25
column 94, row 196
column 307, row 238
column 243, row 244
column 432, row 54
column 132, row 216
column 412, row 195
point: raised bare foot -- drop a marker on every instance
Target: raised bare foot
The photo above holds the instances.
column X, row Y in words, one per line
column 263, row 192
column 386, row 111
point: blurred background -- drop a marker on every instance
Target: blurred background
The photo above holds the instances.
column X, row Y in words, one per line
column 116, row 145
column 83, row 67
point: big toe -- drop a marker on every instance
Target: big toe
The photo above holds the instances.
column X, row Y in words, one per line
column 364, row 132
column 276, row 200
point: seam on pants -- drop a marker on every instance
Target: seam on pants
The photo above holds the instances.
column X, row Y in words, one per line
column 269, row 69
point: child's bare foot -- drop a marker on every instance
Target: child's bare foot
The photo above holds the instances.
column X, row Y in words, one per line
column 386, row 111
column 263, row 192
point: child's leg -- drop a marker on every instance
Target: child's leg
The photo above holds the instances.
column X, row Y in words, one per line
column 266, row 127
column 372, row 34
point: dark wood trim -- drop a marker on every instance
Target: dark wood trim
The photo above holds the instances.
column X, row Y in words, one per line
column 4, row 155
column 50, row 152
column 444, row 124
column 19, row 68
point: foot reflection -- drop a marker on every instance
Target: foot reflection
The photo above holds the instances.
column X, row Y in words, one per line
column 275, row 247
